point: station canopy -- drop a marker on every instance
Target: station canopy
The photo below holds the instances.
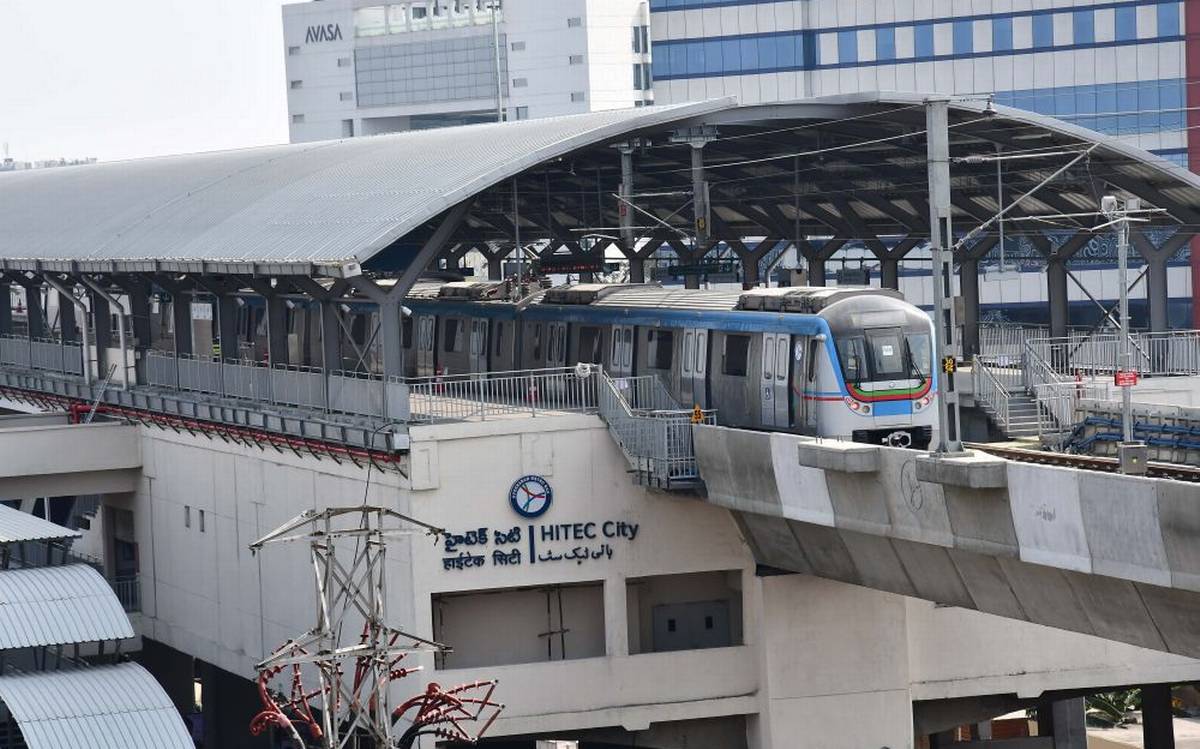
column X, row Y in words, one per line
column 847, row 167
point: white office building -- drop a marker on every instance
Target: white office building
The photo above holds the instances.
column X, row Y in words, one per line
column 362, row 67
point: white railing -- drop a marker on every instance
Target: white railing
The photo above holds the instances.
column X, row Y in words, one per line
column 656, row 441
column 992, row 391
column 1005, row 344
column 1059, row 408
column 1174, row 352
column 503, row 394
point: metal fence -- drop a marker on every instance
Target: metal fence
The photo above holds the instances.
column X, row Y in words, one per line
column 656, row 441
column 1175, row 352
column 47, row 354
column 504, row 394
column 128, row 589
column 1059, row 408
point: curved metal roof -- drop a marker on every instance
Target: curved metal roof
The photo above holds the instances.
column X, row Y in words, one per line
column 850, row 168
column 103, row 707
column 17, row 526
column 283, row 207
column 58, row 606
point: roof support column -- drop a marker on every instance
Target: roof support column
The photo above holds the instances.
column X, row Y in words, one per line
column 137, row 295
column 637, row 266
column 6, row 327
column 226, row 306
column 1056, row 294
column 331, row 338
column 968, row 281
column 889, row 272
column 1156, row 272
column 67, row 328
column 277, row 329
column 700, row 210
column 391, row 316
column 181, row 320
column 102, row 320
column 33, row 307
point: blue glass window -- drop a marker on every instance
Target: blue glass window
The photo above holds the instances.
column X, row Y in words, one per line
column 847, row 46
column 964, row 38
column 678, row 62
column 1127, row 104
column 1043, row 30
column 1085, row 106
column 659, row 65
column 923, row 40
column 786, row 46
column 806, row 49
column 768, row 54
column 885, row 43
column 1168, row 19
column 714, row 61
column 1171, row 100
column 1148, row 106
column 731, row 51
column 1084, row 24
column 1106, row 105
column 1125, row 23
column 749, row 48
column 695, row 58
column 1001, row 34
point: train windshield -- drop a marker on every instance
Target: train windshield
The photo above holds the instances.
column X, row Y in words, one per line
column 884, row 354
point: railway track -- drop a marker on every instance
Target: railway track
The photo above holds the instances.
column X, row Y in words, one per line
column 1085, row 462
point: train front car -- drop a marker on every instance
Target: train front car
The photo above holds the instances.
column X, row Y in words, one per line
column 883, row 358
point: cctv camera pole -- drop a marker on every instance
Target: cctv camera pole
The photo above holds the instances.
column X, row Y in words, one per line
column 937, row 119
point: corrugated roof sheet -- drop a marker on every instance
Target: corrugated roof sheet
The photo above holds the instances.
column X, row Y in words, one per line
column 103, row 707
column 58, row 606
column 324, row 203
column 17, row 526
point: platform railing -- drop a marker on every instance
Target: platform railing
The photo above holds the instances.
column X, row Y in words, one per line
column 483, row 396
column 991, row 391
column 656, row 441
column 1059, row 408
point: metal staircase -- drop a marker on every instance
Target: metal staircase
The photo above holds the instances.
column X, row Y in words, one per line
column 653, row 430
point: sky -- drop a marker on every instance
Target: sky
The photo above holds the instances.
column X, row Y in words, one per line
column 132, row 78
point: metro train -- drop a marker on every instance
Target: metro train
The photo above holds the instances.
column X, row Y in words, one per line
column 854, row 363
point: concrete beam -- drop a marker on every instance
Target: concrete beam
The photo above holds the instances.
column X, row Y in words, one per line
column 843, row 457
column 971, row 471
column 71, row 448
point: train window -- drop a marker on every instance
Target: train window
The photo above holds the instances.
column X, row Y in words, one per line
column 919, row 353
column 498, row 337
column 701, row 351
column 812, row 359
column 628, row 347
column 781, row 361
column 450, row 335
column 768, row 358
column 537, row 342
column 406, row 326
column 737, row 351
column 615, row 359
column 663, row 349
column 887, row 354
column 590, row 340
column 853, row 353
column 562, row 344
column 689, row 347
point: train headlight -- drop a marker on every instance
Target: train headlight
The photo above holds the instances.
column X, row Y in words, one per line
column 865, row 409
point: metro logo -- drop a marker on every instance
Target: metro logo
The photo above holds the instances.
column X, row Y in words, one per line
column 330, row 32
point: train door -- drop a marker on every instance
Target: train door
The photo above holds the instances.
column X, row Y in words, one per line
column 425, row 345
column 773, row 382
column 812, row 366
column 478, row 362
column 693, row 368
column 556, row 345
column 621, row 362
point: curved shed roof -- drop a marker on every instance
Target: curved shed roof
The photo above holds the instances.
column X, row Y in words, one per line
column 851, row 168
column 284, row 207
column 58, row 606
column 103, row 707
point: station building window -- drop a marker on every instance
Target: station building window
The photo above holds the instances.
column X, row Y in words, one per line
column 578, row 96
column 520, row 625
column 684, row 612
column 574, row 22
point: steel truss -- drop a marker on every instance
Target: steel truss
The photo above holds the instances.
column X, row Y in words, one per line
column 348, row 550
